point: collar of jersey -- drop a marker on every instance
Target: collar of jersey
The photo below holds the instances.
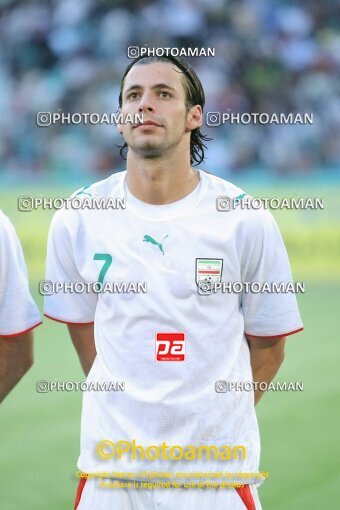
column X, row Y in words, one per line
column 167, row 211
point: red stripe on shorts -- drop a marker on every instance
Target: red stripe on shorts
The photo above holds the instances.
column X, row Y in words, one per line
column 80, row 489
column 246, row 496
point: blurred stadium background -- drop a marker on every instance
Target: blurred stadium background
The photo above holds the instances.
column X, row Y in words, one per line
column 270, row 57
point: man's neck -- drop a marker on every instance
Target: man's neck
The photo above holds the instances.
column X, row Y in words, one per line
column 160, row 182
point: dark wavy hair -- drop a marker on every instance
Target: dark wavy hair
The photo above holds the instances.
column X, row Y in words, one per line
column 194, row 94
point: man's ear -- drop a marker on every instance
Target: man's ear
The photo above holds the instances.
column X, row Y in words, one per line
column 194, row 118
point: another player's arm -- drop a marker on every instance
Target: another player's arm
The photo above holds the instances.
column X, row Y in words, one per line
column 266, row 357
column 82, row 336
column 16, row 358
column 77, row 310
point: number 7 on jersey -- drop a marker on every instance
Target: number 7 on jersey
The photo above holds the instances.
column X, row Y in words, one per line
column 107, row 258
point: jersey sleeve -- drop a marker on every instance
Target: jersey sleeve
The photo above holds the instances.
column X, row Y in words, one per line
column 18, row 312
column 267, row 314
column 61, row 267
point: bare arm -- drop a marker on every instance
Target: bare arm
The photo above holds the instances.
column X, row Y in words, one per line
column 16, row 358
column 266, row 357
column 82, row 336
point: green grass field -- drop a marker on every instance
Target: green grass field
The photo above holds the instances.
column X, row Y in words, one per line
column 40, row 432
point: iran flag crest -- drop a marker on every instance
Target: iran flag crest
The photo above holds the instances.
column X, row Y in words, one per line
column 208, row 274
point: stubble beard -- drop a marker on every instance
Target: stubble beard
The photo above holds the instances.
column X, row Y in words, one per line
column 153, row 150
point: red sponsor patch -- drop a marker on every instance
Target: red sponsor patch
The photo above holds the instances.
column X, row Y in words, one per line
column 170, row 346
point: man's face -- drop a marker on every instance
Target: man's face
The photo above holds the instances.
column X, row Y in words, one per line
column 156, row 91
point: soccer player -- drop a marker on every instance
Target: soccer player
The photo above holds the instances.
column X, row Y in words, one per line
column 18, row 312
column 171, row 344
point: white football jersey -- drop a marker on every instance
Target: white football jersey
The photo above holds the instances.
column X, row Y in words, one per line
column 18, row 312
column 172, row 343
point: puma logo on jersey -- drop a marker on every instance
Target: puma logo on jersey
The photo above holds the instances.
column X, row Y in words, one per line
column 82, row 192
column 239, row 198
column 149, row 239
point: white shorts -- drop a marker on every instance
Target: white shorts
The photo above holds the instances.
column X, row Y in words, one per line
column 91, row 496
